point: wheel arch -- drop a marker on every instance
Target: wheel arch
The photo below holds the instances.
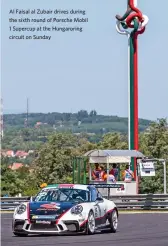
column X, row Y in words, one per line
column 91, row 210
column 116, row 211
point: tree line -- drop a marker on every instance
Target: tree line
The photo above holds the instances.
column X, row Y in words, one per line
column 20, row 134
column 76, row 122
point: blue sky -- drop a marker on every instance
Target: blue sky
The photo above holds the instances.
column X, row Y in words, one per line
column 86, row 70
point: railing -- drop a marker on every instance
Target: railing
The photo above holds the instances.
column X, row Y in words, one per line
column 123, row 202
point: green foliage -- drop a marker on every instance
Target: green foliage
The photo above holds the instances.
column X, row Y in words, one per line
column 54, row 161
column 154, row 143
column 15, row 182
column 90, row 122
column 17, row 137
column 113, row 141
column 31, row 186
column 10, row 182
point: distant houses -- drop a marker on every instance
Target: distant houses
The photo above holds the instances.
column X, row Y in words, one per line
column 20, row 154
column 16, row 166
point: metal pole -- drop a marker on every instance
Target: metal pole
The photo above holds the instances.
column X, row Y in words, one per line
column 136, row 132
column 129, row 145
column 90, row 172
column 108, row 190
column 164, row 166
column 84, row 171
column 73, row 166
column 79, row 170
column 128, row 35
column 133, row 18
column 125, row 32
column 107, row 169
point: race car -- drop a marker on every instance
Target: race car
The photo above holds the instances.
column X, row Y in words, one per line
column 65, row 208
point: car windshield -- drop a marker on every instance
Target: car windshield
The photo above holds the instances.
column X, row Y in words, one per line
column 62, row 195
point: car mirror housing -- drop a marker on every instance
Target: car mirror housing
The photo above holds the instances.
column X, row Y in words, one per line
column 99, row 199
column 30, row 198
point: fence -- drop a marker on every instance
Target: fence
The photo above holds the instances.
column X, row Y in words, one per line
column 124, row 202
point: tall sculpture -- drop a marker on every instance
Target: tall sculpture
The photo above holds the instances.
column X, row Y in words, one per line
column 132, row 23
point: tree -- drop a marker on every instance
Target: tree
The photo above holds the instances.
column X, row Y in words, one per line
column 92, row 113
column 82, row 114
column 10, row 183
column 113, row 141
column 54, row 162
column 67, row 116
column 154, row 143
column 26, row 134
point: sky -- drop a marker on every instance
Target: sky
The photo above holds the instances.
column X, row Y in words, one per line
column 85, row 70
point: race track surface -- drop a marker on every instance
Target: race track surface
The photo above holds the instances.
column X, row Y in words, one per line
column 133, row 230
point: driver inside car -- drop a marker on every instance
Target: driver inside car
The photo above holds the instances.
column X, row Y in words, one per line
column 81, row 196
column 54, row 196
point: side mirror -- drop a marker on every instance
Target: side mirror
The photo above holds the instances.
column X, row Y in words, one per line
column 30, row 198
column 99, row 199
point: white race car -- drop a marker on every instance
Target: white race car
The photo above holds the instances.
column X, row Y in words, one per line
column 64, row 208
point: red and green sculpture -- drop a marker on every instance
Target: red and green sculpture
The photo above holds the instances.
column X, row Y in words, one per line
column 132, row 23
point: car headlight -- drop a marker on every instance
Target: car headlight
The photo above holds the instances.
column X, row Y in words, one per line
column 77, row 209
column 21, row 209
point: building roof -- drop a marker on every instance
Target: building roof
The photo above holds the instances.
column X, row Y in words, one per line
column 111, row 153
column 9, row 152
column 16, row 166
column 21, row 153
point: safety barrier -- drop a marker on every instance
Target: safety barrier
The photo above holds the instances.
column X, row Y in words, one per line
column 123, row 202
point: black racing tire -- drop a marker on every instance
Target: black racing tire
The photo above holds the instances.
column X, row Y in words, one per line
column 113, row 220
column 90, row 225
column 20, row 234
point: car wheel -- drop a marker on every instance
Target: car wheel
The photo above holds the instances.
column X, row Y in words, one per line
column 113, row 221
column 20, row 234
column 90, row 225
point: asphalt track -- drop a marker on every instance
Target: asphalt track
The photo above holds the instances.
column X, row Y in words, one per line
column 133, row 230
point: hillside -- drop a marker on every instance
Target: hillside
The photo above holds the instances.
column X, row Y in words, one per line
column 81, row 121
column 20, row 134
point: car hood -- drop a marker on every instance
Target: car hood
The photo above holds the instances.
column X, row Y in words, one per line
column 48, row 210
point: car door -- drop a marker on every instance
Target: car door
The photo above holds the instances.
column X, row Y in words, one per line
column 99, row 208
column 102, row 208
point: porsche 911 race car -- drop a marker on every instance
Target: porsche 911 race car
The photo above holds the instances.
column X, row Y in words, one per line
column 65, row 208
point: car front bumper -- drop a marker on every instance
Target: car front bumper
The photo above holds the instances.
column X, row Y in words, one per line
column 69, row 226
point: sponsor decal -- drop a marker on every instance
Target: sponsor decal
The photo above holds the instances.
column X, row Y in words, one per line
column 107, row 185
column 122, row 189
column 96, row 212
column 43, row 222
column 45, row 217
column 66, row 186
column 49, row 206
